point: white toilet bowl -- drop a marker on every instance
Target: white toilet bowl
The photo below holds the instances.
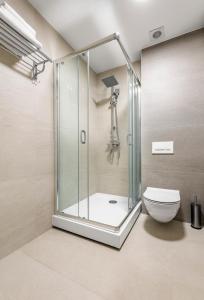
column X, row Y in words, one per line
column 162, row 204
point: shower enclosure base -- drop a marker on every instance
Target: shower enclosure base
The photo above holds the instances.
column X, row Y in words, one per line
column 103, row 208
column 100, row 234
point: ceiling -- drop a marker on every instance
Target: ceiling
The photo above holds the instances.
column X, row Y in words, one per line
column 81, row 22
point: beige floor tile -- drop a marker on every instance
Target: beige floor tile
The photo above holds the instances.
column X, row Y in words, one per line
column 93, row 265
column 182, row 291
column 22, row 278
column 5, row 297
column 155, row 261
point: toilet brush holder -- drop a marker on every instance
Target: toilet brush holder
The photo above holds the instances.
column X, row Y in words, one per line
column 196, row 215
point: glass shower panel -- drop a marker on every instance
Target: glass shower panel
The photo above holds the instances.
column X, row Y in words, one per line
column 134, row 141
column 108, row 122
column 72, row 91
column 130, row 139
column 83, row 82
column 68, row 175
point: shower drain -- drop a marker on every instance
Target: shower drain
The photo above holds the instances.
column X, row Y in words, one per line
column 113, row 201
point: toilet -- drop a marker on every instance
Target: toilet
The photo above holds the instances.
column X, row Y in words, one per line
column 162, row 204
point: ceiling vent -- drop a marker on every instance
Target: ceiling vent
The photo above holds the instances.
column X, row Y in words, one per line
column 157, row 34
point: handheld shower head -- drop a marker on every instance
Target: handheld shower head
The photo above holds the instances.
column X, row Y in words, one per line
column 116, row 92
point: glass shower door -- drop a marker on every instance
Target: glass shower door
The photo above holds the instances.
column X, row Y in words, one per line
column 72, row 136
column 83, row 159
column 134, row 141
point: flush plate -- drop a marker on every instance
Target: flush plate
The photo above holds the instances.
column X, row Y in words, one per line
column 163, row 147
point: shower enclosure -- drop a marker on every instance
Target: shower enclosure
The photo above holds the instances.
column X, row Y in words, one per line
column 97, row 142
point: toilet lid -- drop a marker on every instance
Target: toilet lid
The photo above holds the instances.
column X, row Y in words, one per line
column 162, row 195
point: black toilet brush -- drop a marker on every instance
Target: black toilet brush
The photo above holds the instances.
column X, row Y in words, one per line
column 196, row 214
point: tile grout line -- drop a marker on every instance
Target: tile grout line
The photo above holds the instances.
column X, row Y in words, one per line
column 60, row 274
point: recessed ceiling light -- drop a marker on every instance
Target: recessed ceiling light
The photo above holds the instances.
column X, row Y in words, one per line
column 157, row 34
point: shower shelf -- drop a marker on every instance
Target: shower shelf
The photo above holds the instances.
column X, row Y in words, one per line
column 28, row 54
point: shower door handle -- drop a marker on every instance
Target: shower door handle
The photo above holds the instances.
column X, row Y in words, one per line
column 83, row 136
column 129, row 139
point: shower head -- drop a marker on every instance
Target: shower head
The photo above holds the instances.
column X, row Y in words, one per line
column 110, row 81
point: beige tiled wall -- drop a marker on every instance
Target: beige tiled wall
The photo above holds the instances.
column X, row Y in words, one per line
column 26, row 152
column 173, row 109
column 112, row 178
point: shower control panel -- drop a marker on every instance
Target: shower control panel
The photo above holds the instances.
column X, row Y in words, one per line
column 163, row 147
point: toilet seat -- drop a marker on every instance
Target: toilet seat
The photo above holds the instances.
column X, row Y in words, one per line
column 161, row 203
column 162, row 196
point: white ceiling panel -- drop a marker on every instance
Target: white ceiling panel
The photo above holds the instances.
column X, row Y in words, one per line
column 81, row 22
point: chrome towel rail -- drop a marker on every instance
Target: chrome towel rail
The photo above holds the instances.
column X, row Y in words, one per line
column 22, row 49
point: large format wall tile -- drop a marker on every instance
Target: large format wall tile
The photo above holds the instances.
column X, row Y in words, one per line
column 27, row 146
column 189, row 145
column 173, row 110
column 26, row 208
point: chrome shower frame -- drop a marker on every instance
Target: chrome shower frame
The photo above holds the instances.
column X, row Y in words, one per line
column 110, row 234
column 109, row 38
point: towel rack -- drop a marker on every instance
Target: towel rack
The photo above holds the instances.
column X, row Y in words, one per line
column 16, row 44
